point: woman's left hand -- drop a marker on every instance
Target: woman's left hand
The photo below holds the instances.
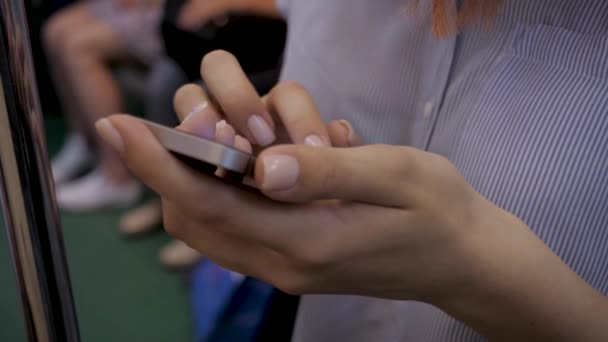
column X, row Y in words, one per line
column 375, row 220
column 397, row 225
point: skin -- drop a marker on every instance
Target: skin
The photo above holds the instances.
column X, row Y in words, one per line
column 434, row 239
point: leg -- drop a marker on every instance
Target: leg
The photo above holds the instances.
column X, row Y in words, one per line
column 87, row 53
column 75, row 154
column 55, row 32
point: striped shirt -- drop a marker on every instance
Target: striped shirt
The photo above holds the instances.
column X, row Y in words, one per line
column 520, row 106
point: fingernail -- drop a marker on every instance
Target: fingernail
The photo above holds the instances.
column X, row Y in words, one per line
column 280, row 172
column 221, row 125
column 350, row 136
column 314, row 140
column 262, row 133
column 199, row 108
column 200, row 123
column 224, row 133
column 109, row 134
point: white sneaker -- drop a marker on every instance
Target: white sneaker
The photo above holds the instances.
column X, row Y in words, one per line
column 95, row 191
column 73, row 158
column 176, row 254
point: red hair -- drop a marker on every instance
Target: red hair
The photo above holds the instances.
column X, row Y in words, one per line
column 448, row 19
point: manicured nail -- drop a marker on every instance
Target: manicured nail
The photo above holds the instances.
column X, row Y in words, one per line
column 280, row 172
column 110, row 135
column 199, row 108
column 262, row 133
column 242, row 144
column 224, row 133
column 314, row 140
column 200, row 122
column 350, row 136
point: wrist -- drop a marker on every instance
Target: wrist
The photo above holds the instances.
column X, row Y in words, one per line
column 473, row 248
column 486, row 259
column 513, row 287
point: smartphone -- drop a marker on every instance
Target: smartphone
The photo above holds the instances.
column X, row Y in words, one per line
column 203, row 154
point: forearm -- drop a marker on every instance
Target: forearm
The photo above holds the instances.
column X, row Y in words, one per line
column 522, row 291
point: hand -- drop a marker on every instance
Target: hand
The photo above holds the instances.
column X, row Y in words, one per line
column 252, row 115
column 382, row 221
column 398, row 229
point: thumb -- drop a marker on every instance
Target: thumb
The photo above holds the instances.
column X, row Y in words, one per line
column 374, row 174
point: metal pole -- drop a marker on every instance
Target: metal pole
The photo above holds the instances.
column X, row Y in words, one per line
column 27, row 194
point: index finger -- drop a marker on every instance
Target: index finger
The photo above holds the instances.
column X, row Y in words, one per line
column 203, row 198
column 237, row 97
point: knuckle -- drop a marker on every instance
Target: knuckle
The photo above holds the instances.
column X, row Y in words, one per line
column 208, row 212
column 311, row 257
column 174, row 225
column 208, row 216
column 405, row 162
column 288, row 88
column 292, row 283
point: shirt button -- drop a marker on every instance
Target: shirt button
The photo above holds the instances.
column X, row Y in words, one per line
column 428, row 110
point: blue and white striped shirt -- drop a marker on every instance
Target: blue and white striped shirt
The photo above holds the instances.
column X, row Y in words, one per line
column 520, row 106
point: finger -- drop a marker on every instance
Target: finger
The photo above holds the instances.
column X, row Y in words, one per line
column 374, row 174
column 197, row 113
column 155, row 166
column 242, row 144
column 198, row 195
column 224, row 249
column 295, row 108
column 237, row 98
column 342, row 134
column 224, row 133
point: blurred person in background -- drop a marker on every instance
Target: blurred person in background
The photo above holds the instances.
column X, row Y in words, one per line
column 83, row 41
column 190, row 29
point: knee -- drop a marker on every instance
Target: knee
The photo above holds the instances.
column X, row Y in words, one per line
column 79, row 50
column 55, row 32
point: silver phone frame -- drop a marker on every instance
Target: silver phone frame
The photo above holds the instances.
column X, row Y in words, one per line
column 201, row 149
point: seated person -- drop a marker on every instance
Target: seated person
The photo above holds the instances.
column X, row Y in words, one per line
column 81, row 41
column 190, row 29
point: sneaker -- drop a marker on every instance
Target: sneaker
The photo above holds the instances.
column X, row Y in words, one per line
column 176, row 255
column 142, row 219
column 72, row 159
column 94, row 191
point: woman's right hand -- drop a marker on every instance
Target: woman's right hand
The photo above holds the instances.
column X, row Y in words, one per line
column 283, row 116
